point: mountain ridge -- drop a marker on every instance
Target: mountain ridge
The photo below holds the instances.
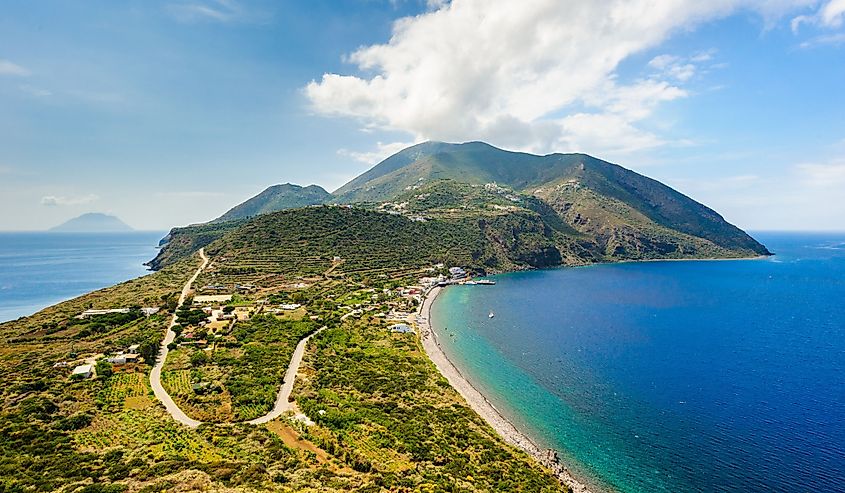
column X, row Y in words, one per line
column 587, row 209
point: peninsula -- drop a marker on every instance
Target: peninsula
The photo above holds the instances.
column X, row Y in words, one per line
column 288, row 348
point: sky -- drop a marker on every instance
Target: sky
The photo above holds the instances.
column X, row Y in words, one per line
column 167, row 113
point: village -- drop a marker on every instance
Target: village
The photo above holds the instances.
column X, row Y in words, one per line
column 206, row 319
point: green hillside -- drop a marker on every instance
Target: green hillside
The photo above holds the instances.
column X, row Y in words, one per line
column 277, row 198
column 552, row 178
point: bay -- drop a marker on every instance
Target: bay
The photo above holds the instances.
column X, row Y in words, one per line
column 680, row 376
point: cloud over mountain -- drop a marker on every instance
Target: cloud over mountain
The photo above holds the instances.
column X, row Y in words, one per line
column 538, row 75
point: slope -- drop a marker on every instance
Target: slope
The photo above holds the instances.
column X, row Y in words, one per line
column 546, row 177
column 276, row 198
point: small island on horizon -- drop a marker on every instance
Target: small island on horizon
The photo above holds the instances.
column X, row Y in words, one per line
column 92, row 222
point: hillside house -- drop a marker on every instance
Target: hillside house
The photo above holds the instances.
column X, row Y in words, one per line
column 402, row 329
column 83, row 371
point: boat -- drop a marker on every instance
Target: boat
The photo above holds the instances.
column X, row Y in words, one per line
column 486, row 282
column 470, row 283
column 491, row 315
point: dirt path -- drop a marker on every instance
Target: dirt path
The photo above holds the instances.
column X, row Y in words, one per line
column 155, row 375
column 282, row 404
column 282, row 399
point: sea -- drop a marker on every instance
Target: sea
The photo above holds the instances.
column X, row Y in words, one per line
column 41, row 269
column 674, row 376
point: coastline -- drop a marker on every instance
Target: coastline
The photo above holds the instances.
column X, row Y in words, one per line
column 479, row 403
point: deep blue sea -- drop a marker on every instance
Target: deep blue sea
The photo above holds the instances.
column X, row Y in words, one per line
column 40, row 269
column 670, row 376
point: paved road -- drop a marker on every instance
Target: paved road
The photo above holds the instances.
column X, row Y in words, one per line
column 283, row 398
column 155, row 375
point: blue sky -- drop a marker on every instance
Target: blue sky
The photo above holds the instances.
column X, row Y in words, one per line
column 168, row 113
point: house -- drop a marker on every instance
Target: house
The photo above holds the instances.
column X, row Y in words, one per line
column 84, row 371
column 147, row 311
column 213, row 287
column 122, row 359
column 212, row 298
column 290, row 306
column 402, row 328
column 457, row 273
column 91, row 313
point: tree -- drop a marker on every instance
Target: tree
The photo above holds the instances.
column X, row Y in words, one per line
column 199, row 358
column 104, row 369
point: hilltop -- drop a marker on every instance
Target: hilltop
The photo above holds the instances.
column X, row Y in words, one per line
column 92, row 222
column 277, row 198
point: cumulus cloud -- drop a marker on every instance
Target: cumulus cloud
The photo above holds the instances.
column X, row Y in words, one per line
column 56, row 201
column 9, row 68
column 830, row 14
column 536, row 75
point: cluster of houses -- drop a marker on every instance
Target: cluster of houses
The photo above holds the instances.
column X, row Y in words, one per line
column 508, row 194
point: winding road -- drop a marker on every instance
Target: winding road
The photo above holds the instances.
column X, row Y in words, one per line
column 155, row 375
column 282, row 404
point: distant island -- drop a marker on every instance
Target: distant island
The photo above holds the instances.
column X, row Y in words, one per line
column 92, row 222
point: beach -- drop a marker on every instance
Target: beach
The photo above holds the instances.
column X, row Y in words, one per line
column 481, row 405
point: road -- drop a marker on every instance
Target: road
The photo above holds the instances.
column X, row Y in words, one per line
column 155, row 375
column 283, row 398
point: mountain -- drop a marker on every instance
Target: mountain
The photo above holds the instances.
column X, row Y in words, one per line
column 92, row 222
column 505, row 210
column 277, row 198
column 622, row 209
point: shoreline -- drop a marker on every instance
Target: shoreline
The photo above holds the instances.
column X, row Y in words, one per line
column 479, row 403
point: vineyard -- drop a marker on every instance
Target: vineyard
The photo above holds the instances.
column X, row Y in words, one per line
column 177, row 382
column 132, row 429
column 125, row 390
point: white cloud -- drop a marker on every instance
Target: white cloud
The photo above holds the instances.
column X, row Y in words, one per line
column 376, row 155
column 211, row 10
column 824, row 40
column 9, row 68
column 830, row 14
column 536, row 75
column 826, row 175
column 55, row 201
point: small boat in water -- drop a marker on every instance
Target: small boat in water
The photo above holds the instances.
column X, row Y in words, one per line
column 486, row 282
column 491, row 315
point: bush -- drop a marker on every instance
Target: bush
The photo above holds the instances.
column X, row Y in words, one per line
column 199, row 358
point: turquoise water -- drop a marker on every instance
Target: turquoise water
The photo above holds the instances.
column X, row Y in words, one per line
column 40, row 269
column 670, row 376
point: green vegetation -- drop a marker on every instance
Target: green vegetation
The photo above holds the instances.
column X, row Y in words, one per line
column 385, row 420
column 383, row 407
column 239, row 377
column 277, row 198
column 479, row 163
